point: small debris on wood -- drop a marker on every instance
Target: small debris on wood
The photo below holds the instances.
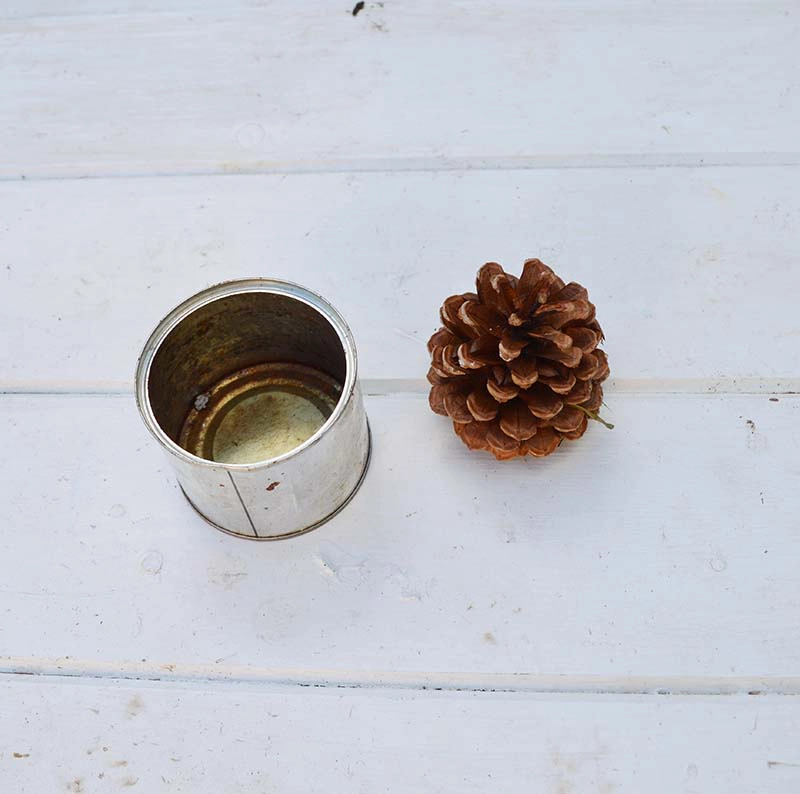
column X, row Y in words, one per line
column 359, row 6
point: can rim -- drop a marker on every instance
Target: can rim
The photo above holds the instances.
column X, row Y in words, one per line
column 223, row 290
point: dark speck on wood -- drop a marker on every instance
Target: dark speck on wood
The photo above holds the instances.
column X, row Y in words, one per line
column 359, row 6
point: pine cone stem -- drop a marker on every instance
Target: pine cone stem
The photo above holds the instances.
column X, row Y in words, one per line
column 592, row 415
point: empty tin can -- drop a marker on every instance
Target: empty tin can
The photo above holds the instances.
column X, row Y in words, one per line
column 251, row 388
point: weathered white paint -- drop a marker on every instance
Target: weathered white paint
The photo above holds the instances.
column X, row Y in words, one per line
column 614, row 557
column 95, row 736
column 692, row 270
column 649, row 152
column 198, row 88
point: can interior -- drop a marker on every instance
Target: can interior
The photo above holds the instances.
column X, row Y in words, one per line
column 247, row 377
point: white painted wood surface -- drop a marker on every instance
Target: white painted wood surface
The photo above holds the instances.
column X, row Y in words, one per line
column 619, row 617
column 692, row 270
column 254, row 738
column 194, row 87
column 613, row 559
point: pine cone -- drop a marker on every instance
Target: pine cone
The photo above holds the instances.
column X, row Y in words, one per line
column 516, row 366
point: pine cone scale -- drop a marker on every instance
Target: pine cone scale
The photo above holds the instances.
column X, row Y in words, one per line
column 568, row 419
column 580, row 392
column 542, row 402
column 544, row 443
column 524, row 372
column 561, row 340
column 563, row 383
column 516, row 421
column 482, row 405
column 502, row 392
column 511, row 346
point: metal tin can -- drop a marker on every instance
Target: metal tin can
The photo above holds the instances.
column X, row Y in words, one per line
column 251, row 388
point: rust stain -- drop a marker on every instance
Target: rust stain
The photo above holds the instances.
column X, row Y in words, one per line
column 272, row 486
column 22, row 755
column 260, row 412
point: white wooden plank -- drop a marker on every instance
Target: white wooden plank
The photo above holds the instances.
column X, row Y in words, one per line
column 256, row 88
column 667, row 547
column 693, row 270
column 93, row 737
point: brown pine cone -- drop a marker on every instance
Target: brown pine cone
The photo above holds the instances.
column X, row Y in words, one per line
column 516, row 366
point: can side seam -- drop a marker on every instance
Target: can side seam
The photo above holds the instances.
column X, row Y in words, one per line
column 244, row 506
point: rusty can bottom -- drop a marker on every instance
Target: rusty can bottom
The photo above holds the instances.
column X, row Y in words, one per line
column 296, row 532
column 259, row 412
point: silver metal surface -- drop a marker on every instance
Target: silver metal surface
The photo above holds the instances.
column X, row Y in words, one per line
column 251, row 388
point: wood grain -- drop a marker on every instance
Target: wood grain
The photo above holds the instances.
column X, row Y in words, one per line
column 630, row 553
column 108, row 736
column 692, row 270
column 176, row 88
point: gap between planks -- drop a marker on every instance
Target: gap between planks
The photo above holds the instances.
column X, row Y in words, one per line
column 531, row 683
column 69, row 171
column 386, row 387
